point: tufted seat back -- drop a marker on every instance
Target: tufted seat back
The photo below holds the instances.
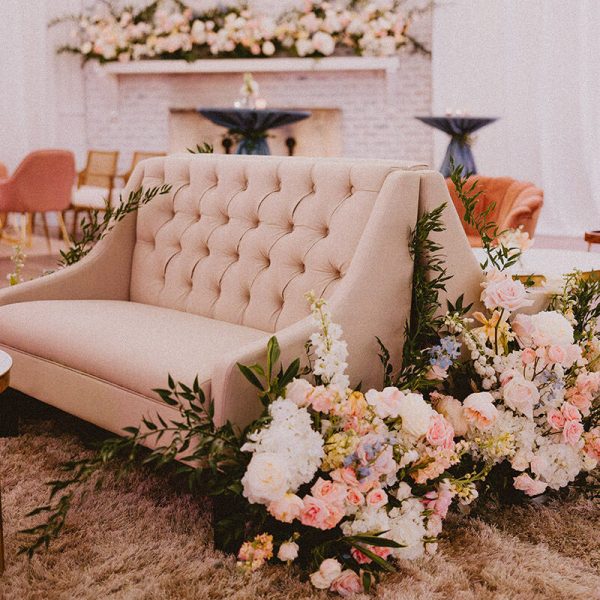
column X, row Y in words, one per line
column 243, row 240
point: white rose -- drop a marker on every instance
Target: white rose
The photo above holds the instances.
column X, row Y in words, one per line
column 551, row 329
column 323, row 43
column 288, row 551
column 385, row 403
column 416, row 414
column 298, row 391
column 404, row 491
column 329, row 570
column 268, row 48
column 265, row 479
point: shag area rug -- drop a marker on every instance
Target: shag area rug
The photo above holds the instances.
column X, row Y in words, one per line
column 142, row 538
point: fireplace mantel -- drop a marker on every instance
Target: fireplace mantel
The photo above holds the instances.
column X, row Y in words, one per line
column 254, row 65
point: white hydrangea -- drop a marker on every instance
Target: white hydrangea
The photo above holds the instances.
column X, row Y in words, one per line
column 290, row 445
column 556, row 464
column 407, row 527
column 367, row 520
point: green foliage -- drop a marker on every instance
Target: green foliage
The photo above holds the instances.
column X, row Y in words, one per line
column 205, row 148
column 580, row 302
column 100, row 222
column 497, row 255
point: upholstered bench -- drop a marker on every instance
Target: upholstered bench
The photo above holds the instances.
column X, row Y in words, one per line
column 200, row 278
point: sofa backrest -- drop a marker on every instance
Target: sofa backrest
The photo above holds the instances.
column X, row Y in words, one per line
column 243, row 238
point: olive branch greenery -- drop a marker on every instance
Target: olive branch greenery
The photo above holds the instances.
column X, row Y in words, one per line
column 100, row 222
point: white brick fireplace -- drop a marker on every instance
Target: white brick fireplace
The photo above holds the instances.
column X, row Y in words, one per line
column 362, row 106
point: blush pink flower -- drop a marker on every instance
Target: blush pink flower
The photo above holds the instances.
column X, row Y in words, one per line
column 582, row 402
column 376, row 498
column 345, row 475
column 524, row 329
column 504, row 292
column 556, row 419
column 329, row 491
column 387, row 403
column 315, row 513
column 528, row 356
column 286, row 508
column 557, row 355
column 363, row 559
column 452, row 410
column 355, row 498
column 571, row 433
column 323, row 398
column 480, row 410
column 570, row 412
column 532, row 487
column 347, row 584
column 592, row 443
column 440, row 432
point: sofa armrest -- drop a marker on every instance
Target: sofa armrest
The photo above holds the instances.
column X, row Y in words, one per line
column 104, row 274
column 229, row 386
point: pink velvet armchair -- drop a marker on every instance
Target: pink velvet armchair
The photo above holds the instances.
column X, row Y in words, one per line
column 42, row 183
column 517, row 203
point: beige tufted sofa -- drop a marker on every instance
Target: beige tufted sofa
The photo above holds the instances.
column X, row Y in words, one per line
column 200, row 278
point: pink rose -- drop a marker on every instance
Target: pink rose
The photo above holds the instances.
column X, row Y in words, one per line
column 592, row 443
column 286, row 508
column 439, row 502
column 524, row 329
column 452, row 409
column 315, row 513
column 480, row 410
column 329, row 491
column 532, row 487
column 505, row 293
column 347, row 584
column 556, row 419
column 436, row 373
column 440, row 432
column 572, row 432
column 581, row 401
column 363, row 559
column 570, row 412
column 354, row 497
column 385, row 464
column 521, row 395
column 528, row 356
column 345, row 475
column 377, row 498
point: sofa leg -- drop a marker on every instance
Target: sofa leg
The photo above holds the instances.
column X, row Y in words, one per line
column 9, row 413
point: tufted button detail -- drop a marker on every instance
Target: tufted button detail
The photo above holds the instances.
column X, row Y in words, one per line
column 290, row 226
column 325, row 231
column 313, row 189
column 302, row 268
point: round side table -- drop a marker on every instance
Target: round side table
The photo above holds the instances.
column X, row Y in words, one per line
column 5, row 366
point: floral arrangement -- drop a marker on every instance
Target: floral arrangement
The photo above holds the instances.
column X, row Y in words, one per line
column 170, row 29
column 345, row 484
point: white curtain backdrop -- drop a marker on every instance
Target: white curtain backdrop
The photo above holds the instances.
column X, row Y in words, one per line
column 536, row 65
column 41, row 94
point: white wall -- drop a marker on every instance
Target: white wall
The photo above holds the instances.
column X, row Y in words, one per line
column 536, row 65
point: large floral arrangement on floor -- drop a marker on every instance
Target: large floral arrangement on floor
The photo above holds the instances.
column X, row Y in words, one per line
column 495, row 399
column 171, row 29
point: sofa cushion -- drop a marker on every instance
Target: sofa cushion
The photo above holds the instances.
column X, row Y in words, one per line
column 242, row 240
column 131, row 345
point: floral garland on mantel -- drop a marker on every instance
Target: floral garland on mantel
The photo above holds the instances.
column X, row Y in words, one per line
column 169, row 29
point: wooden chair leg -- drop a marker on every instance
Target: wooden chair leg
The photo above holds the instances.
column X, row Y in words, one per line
column 74, row 226
column 63, row 228
column 46, row 231
column 9, row 413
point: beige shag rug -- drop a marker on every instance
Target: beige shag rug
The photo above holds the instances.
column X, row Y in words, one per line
column 140, row 538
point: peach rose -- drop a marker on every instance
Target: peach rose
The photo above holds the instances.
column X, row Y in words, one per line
column 521, row 395
column 286, row 508
column 532, row 487
column 329, row 491
column 480, row 410
column 582, row 402
column 323, row 398
column 377, row 498
column 557, row 355
column 347, row 584
column 452, row 410
column 571, row 433
column 440, row 432
column 329, row 570
column 505, row 293
column 522, row 325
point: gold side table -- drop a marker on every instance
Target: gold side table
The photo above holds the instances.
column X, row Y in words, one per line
column 5, row 366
